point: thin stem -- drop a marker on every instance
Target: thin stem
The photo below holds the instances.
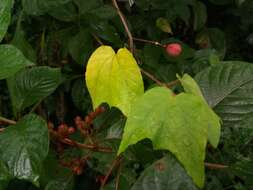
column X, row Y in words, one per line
column 118, row 177
column 153, row 78
column 215, row 166
column 7, row 121
column 97, row 39
column 149, row 42
column 124, row 22
column 86, row 146
column 109, row 172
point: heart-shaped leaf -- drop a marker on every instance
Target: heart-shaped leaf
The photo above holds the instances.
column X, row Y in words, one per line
column 113, row 78
column 24, row 146
column 175, row 123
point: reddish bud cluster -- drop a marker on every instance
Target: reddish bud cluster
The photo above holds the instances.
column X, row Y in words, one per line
column 76, row 165
column 64, row 131
column 88, row 120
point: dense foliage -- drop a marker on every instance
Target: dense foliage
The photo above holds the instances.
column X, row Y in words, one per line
column 126, row 95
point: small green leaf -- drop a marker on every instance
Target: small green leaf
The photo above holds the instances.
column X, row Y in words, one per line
column 175, row 123
column 113, row 78
column 5, row 16
column 190, row 86
column 164, row 174
column 31, row 85
column 164, row 25
column 24, row 146
column 11, row 61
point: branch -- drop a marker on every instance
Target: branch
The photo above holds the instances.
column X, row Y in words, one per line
column 7, row 121
column 153, row 78
column 115, row 163
column 124, row 22
column 86, row 146
column 215, row 166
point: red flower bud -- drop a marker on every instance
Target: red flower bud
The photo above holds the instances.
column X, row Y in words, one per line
column 174, row 49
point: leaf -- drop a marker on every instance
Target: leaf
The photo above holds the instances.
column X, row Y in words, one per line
column 107, row 32
column 80, row 96
column 244, row 170
column 31, row 85
column 164, row 174
column 65, row 12
column 24, row 146
column 87, row 5
column 164, row 25
column 39, row 7
column 4, row 176
column 5, row 16
column 200, row 15
column 227, row 88
column 11, row 61
column 190, row 86
column 80, row 51
column 104, row 12
column 20, row 42
column 175, row 123
column 113, row 78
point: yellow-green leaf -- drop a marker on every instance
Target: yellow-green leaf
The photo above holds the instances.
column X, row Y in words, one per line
column 175, row 123
column 113, row 78
column 214, row 127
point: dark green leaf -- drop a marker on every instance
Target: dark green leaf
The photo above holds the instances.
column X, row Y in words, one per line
column 244, row 170
column 31, row 85
column 227, row 87
column 11, row 61
column 5, row 16
column 200, row 15
column 80, row 46
column 164, row 174
column 24, row 146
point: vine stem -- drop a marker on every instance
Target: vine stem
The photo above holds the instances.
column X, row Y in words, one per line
column 149, row 42
column 124, row 22
column 115, row 163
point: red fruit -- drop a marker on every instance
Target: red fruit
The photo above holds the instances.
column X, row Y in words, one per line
column 71, row 130
column 174, row 49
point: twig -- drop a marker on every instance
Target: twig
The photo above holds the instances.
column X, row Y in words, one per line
column 97, row 39
column 7, row 121
column 124, row 22
column 215, row 166
column 149, row 42
column 153, row 78
column 118, row 177
column 109, row 172
column 87, row 146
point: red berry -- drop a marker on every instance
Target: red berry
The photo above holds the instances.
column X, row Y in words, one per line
column 71, row 130
column 174, row 49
